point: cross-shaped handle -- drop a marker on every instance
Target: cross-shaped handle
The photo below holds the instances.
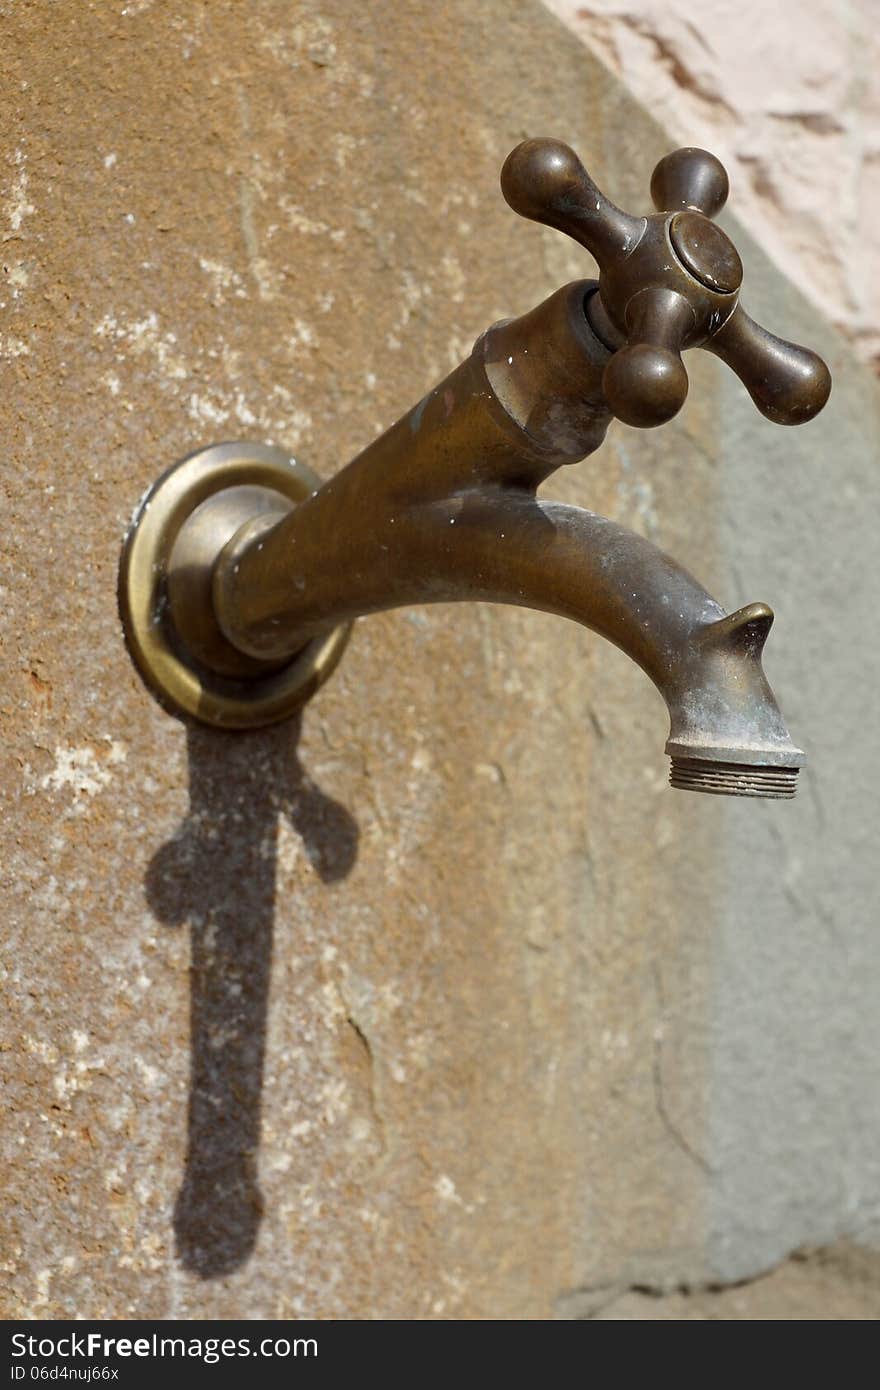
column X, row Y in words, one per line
column 666, row 282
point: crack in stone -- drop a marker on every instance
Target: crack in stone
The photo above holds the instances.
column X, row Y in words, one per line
column 855, row 1268
column 372, row 1096
column 657, row 1076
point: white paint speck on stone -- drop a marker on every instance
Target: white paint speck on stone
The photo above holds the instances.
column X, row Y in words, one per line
column 145, row 337
column 13, row 347
column 224, row 280
column 17, row 205
column 445, row 1189
column 84, row 771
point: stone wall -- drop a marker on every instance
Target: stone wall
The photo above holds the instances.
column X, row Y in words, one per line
column 438, row 1002
column 788, row 96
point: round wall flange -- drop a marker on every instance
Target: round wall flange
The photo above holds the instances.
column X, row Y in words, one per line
column 176, row 534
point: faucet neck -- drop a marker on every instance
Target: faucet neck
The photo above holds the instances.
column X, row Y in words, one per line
column 545, row 372
column 527, row 400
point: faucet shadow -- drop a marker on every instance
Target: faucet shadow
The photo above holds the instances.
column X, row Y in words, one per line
column 217, row 873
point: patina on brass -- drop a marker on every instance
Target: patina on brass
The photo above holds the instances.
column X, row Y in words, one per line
column 241, row 574
column 178, row 529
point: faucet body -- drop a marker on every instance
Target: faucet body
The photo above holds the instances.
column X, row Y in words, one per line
column 238, row 590
column 443, row 507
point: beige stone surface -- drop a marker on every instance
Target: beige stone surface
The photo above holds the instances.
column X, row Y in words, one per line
column 406, row 1010
column 788, row 96
column 284, row 222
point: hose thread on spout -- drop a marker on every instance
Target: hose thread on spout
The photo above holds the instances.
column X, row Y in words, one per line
column 732, row 779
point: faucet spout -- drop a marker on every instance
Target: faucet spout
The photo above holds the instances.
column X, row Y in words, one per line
column 443, row 507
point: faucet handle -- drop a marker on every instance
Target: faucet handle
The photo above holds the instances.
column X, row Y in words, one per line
column 666, row 282
column 690, row 178
column 545, row 181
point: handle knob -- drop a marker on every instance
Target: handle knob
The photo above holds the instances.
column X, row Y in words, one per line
column 667, row 282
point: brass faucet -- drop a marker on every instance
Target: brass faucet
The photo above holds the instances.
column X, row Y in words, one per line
column 241, row 574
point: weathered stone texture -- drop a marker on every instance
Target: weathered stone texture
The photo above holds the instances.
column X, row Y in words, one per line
column 788, row 95
column 408, row 1010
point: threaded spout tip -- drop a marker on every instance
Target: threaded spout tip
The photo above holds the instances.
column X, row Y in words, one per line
column 733, row 779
